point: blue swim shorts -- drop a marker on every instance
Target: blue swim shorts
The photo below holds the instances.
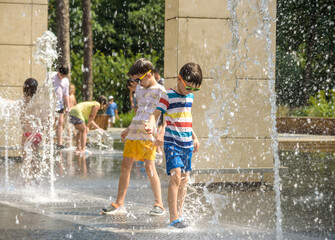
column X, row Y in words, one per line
column 177, row 157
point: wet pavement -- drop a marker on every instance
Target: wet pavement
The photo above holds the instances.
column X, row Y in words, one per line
column 85, row 184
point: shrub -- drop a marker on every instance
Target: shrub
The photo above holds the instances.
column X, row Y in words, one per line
column 125, row 119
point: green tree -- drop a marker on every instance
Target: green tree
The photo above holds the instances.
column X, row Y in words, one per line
column 305, row 49
column 123, row 30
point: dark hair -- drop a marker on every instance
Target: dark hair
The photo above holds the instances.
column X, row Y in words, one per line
column 140, row 66
column 191, row 72
column 155, row 70
column 102, row 99
column 63, row 70
column 129, row 81
column 30, row 87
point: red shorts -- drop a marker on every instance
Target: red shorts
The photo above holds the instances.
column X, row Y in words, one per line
column 36, row 138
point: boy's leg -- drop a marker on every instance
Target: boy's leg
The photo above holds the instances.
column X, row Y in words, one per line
column 126, row 166
column 59, row 129
column 182, row 193
column 175, row 179
column 151, row 172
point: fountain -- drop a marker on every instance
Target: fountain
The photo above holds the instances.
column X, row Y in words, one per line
column 238, row 189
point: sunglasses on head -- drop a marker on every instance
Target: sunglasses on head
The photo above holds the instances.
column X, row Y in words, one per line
column 188, row 88
column 138, row 80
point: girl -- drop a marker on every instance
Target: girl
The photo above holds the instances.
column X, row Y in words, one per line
column 31, row 136
column 82, row 116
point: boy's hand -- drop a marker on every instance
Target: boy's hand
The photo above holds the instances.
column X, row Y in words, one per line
column 148, row 128
column 124, row 134
column 196, row 145
column 159, row 140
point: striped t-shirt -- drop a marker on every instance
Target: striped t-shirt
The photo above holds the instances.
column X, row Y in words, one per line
column 147, row 102
column 178, row 117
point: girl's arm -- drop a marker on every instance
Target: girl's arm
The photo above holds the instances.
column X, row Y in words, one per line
column 94, row 112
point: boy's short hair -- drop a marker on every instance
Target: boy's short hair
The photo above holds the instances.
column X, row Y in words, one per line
column 140, row 66
column 63, row 70
column 191, row 72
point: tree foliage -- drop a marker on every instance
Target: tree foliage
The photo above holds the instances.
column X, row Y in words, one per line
column 305, row 49
column 123, row 30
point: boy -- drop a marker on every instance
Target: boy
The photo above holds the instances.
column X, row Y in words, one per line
column 180, row 140
column 61, row 85
column 140, row 145
column 112, row 111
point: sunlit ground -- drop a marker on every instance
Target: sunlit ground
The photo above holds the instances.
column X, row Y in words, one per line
column 85, row 184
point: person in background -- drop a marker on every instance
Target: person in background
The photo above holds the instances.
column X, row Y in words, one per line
column 32, row 136
column 72, row 103
column 112, row 112
column 132, row 85
column 82, row 116
column 61, row 85
column 72, row 96
column 158, row 77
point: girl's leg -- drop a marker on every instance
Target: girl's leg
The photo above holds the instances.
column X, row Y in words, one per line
column 24, row 154
column 83, row 139
column 175, row 179
column 81, row 129
column 126, row 166
column 151, row 172
column 35, row 163
column 182, row 192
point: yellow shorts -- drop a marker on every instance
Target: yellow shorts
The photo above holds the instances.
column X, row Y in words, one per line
column 140, row 150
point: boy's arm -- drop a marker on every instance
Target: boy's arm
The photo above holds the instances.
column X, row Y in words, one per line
column 150, row 125
column 117, row 114
column 195, row 142
column 160, row 135
column 67, row 103
column 124, row 134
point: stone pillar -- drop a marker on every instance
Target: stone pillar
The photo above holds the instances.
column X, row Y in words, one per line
column 234, row 43
column 21, row 23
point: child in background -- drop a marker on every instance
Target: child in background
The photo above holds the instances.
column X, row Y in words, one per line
column 61, row 84
column 72, row 96
column 112, row 111
column 72, row 103
column 31, row 138
column 82, row 116
column 180, row 140
column 132, row 85
column 140, row 145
